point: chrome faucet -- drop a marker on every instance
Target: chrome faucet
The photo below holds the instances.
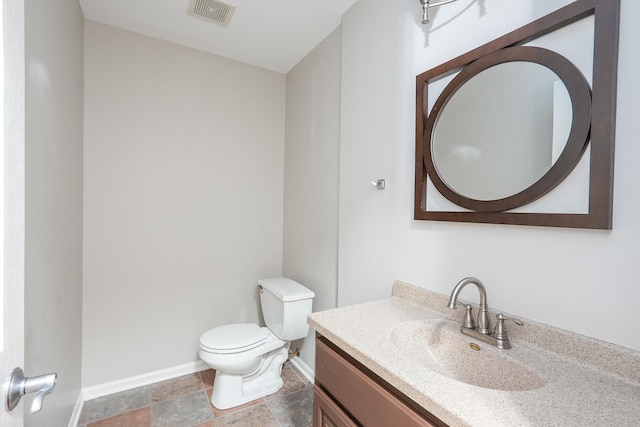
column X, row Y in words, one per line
column 482, row 332
column 483, row 315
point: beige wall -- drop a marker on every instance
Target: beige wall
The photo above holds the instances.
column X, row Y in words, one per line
column 312, row 144
column 53, row 179
column 582, row 280
column 183, row 198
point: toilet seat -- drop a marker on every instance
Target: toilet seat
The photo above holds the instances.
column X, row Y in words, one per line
column 234, row 338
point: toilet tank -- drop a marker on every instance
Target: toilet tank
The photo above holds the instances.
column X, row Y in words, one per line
column 285, row 307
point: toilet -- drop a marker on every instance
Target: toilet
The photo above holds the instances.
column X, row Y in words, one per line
column 248, row 358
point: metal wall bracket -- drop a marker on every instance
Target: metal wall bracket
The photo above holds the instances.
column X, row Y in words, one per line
column 380, row 184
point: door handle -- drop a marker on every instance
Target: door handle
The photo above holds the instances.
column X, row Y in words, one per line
column 19, row 385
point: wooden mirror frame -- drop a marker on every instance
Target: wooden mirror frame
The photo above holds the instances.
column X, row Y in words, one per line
column 602, row 132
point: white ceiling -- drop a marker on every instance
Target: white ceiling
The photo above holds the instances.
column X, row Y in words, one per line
column 274, row 34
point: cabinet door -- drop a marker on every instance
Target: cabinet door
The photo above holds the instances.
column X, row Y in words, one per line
column 367, row 401
column 326, row 413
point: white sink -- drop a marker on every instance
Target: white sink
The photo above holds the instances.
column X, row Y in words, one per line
column 438, row 345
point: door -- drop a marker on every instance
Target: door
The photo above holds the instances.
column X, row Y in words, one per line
column 12, row 207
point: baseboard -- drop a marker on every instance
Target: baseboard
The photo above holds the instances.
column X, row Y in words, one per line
column 77, row 410
column 117, row 386
column 303, row 368
column 142, row 380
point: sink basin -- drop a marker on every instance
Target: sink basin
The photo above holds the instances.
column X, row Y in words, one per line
column 439, row 346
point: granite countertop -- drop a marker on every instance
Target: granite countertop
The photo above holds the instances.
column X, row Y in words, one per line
column 581, row 381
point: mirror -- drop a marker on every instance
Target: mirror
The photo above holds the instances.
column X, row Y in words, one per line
column 515, row 121
column 512, row 103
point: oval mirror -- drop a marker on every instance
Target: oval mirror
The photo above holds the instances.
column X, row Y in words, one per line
column 507, row 129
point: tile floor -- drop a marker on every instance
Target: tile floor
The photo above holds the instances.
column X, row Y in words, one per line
column 184, row 402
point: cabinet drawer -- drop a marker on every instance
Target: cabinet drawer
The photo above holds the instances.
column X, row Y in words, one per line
column 326, row 413
column 366, row 400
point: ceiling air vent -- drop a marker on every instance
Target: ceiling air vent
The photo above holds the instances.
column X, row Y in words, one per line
column 211, row 10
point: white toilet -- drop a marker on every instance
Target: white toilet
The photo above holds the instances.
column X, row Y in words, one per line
column 247, row 358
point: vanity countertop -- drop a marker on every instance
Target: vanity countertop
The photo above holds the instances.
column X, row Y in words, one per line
column 586, row 381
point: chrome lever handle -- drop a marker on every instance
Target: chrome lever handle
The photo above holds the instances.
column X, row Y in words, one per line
column 500, row 331
column 468, row 322
column 19, row 385
column 42, row 385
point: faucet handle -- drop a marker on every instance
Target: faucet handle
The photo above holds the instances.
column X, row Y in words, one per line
column 468, row 317
column 500, row 332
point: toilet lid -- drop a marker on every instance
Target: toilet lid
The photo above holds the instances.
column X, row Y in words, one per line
column 233, row 338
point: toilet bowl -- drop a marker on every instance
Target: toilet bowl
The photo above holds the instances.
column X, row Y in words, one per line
column 248, row 358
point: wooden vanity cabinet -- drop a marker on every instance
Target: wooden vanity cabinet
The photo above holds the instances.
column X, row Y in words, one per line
column 348, row 394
